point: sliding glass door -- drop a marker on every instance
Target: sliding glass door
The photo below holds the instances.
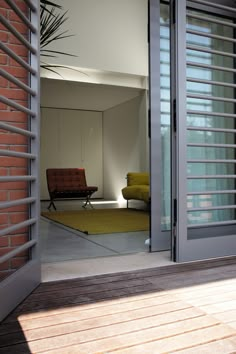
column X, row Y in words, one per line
column 204, row 127
column 160, row 132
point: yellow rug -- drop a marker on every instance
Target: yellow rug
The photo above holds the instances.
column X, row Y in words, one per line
column 102, row 221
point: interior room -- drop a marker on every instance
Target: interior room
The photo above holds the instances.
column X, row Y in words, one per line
column 87, row 133
column 94, row 115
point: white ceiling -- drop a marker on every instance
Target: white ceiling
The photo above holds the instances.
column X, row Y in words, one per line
column 87, row 96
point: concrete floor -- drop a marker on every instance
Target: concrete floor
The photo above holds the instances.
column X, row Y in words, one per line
column 68, row 253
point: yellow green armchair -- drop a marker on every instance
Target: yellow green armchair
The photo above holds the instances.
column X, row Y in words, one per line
column 137, row 187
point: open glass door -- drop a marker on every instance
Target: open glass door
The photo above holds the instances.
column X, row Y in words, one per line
column 159, row 125
column 19, row 124
column 204, row 139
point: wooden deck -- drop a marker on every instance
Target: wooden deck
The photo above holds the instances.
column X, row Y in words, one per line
column 180, row 308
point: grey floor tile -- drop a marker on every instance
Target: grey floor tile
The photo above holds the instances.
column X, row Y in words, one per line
column 58, row 244
column 123, row 243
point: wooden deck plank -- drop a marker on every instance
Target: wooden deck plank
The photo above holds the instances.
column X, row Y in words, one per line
column 186, row 340
column 151, row 284
column 226, row 316
column 190, row 311
column 220, row 307
column 193, row 292
column 149, row 341
column 228, row 264
column 115, row 325
column 132, row 332
column 34, row 306
column 213, row 298
column 180, row 282
column 224, row 346
column 155, row 305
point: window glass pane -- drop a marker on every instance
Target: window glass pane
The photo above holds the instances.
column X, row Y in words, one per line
column 165, row 115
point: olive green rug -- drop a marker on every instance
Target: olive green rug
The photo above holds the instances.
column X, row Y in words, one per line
column 102, row 221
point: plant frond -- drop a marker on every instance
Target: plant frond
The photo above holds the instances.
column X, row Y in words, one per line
column 44, row 51
column 45, row 3
column 46, row 66
column 51, row 23
column 49, row 68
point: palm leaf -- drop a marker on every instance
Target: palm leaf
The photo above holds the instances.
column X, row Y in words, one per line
column 45, row 3
column 51, row 22
column 52, row 67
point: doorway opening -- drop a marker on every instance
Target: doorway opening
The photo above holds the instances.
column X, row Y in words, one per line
column 111, row 119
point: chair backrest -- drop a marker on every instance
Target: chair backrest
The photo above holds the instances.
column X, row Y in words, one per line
column 137, row 178
column 65, row 178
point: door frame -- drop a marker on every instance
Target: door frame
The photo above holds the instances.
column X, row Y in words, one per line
column 160, row 240
column 15, row 287
column 185, row 249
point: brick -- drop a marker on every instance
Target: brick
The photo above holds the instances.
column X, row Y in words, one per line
column 2, row 27
column 24, row 254
column 3, row 11
column 3, row 218
column 18, row 262
column 10, row 138
column 4, row 241
column 13, row 17
column 20, row 27
column 16, row 209
column 20, row 148
column 3, row 171
column 13, row 86
column 5, row 250
column 18, row 240
column 3, row 82
column 14, row 195
column 3, row 196
column 4, row 5
column 12, row 62
column 21, row 4
column 17, row 72
column 3, row 59
column 18, row 171
column 13, row 40
column 3, row 35
column 13, row 186
column 3, row 107
column 22, row 125
column 16, row 94
column 23, row 103
column 12, row 161
column 18, row 217
column 24, row 230
column 13, row 116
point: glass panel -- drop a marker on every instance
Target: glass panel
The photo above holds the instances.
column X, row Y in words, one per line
column 208, row 216
column 206, row 121
column 165, row 115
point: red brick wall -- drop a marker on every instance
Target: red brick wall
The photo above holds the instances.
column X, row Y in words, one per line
column 10, row 166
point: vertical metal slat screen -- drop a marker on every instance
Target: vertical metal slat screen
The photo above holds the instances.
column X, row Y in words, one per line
column 205, row 137
column 19, row 138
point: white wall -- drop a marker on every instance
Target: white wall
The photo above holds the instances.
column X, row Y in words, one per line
column 72, row 139
column 109, row 35
column 121, row 143
column 125, row 141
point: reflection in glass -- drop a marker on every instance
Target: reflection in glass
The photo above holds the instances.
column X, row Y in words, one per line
column 212, row 123
column 165, row 114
